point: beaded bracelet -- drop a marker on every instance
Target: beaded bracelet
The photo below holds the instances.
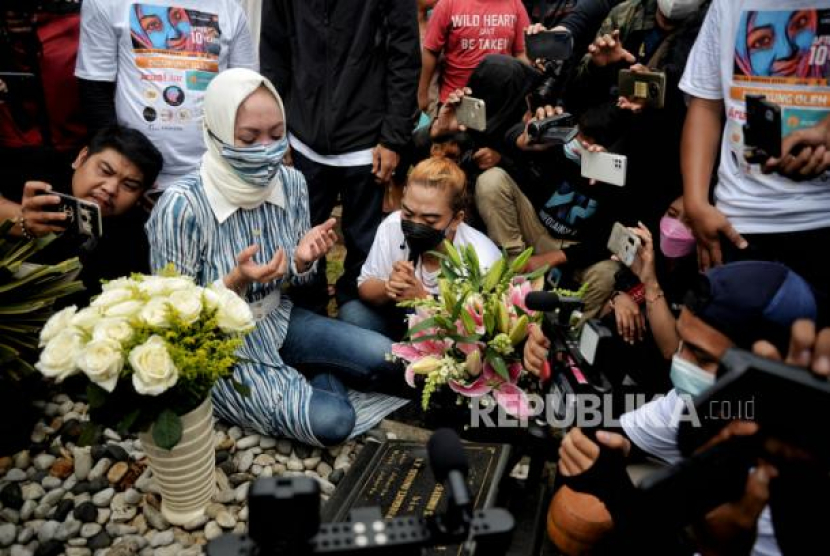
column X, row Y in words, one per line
column 21, row 221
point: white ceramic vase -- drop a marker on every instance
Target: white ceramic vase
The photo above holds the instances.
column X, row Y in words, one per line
column 186, row 474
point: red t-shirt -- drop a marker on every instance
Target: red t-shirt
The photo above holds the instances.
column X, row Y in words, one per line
column 468, row 30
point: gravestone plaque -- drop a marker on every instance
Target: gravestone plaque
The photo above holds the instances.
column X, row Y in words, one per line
column 396, row 477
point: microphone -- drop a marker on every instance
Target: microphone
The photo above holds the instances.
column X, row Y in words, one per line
column 450, row 467
column 549, row 301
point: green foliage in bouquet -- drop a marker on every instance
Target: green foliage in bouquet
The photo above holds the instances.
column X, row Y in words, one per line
column 28, row 293
column 151, row 349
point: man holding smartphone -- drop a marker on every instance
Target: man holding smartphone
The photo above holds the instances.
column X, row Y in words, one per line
column 112, row 172
column 756, row 215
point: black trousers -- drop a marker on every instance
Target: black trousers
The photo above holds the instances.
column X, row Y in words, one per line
column 805, row 252
column 362, row 201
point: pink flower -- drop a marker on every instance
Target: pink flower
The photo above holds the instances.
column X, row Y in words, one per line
column 474, row 307
column 517, row 293
column 506, row 393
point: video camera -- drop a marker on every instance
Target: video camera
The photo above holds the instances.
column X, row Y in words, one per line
column 556, row 130
column 284, row 518
column 552, row 50
column 577, row 359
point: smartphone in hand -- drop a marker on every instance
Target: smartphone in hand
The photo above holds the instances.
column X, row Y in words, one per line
column 472, row 113
column 649, row 86
column 624, row 244
column 605, row 167
column 549, row 45
column 82, row 217
column 762, row 131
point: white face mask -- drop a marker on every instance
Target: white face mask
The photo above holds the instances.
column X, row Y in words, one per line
column 688, row 378
column 678, row 9
column 573, row 151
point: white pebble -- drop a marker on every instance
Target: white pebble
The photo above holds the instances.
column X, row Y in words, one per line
column 212, row 530
column 247, row 442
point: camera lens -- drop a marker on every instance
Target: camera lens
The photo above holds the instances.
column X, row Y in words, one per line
column 769, row 115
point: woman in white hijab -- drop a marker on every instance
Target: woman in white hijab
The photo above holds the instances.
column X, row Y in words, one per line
column 243, row 220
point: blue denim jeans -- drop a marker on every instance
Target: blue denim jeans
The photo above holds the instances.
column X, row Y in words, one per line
column 388, row 320
column 354, row 355
column 331, row 413
column 332, row 354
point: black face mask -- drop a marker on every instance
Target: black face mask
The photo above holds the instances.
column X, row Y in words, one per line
column 421, row 238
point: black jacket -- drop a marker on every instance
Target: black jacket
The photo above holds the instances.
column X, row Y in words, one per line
column 347, row 70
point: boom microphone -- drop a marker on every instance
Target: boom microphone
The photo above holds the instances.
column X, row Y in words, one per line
column 549, row 301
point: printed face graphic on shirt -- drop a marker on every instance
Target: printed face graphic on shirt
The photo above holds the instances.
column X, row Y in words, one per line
column 169, row 28
column 780, row 44
column 161, row 27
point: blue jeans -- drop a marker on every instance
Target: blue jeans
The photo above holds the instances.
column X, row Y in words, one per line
column 331, row 413
column 355, row 356
column 334, row 354
column 388, row 320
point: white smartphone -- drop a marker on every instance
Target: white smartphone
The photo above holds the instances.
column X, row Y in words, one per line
column 624, row 244
column 604, row 167
column 472, row 113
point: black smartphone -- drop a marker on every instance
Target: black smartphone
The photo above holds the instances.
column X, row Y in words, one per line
column 762, row 131
column 83, row 217
column 549, row 45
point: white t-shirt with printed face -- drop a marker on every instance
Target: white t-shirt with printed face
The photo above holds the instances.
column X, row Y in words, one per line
column 781, row 49
column 390, row 247
column 163, row 54
column 653, row 428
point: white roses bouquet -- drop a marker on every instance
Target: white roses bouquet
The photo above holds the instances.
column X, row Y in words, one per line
column 151, row 347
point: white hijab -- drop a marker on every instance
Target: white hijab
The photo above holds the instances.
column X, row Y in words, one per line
column 224, row 95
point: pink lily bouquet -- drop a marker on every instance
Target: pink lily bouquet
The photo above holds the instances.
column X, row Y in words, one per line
column 469, row 338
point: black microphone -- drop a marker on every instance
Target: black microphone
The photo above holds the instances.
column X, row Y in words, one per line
column 449, row 465
column 549, row 301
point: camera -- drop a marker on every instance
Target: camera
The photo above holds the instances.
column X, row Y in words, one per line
column 556, row 130
column 552, row 83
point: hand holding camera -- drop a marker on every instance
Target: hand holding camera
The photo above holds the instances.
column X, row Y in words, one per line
column 608, row 49
column 549, row 126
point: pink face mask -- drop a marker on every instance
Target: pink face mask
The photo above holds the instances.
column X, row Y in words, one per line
column 676, row 240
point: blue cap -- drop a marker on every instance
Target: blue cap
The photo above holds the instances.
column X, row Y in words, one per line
column 753, row 300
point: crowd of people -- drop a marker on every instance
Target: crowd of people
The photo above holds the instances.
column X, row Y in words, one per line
column 220, row 135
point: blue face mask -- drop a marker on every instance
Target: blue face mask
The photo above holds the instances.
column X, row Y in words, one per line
column 573, row 150
column 258, row 164
column 688, row 378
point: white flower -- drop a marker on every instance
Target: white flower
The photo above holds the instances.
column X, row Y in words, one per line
column 156, row 286
column 179, row 283
column 121, row 283
column 153, row 368
column 234, row 315
column 112, row 297
column 59, row 321
column 153, row 286
column 212, row 296
column 117, row 329
column 102, row 361
column 58, row 359
column 187, row 304
column 156, row 313
column 126, row 310
column 86, row 319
